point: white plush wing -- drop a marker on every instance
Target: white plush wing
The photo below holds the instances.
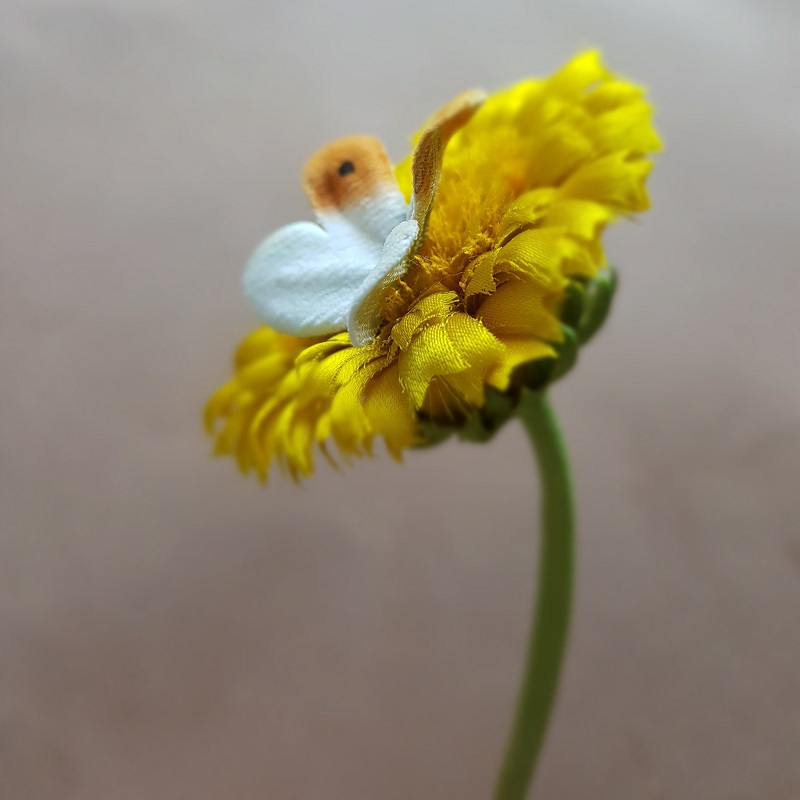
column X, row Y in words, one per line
column 302, row 280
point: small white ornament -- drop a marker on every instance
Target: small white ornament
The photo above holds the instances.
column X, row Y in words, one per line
column 310, row 279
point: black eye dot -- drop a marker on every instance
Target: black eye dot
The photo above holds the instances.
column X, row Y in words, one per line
column 346, row 167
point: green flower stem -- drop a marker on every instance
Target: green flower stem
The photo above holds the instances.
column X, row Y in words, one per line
column 548, row 635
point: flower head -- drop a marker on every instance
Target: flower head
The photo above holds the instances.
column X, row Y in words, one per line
column 487, row 281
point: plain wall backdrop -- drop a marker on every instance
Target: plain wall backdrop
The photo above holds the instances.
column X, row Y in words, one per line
column 169, row 630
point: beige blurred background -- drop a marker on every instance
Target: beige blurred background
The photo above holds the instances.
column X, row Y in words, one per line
column 169, row 630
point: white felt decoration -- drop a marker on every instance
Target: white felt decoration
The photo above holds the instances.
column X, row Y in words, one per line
column 311, row 280
column 302, row 278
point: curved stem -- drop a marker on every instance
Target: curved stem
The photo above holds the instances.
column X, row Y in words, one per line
column 553, row 599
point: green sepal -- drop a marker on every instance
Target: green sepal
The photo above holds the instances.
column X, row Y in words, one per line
column 535, row 375
column 483, row 423
column 480, row 425
column 431, row 434
column 599, row 296
column 574, row 304
column 567, row 354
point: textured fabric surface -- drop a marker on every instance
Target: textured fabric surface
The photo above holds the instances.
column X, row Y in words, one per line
column 302, row 279
column 169, row 630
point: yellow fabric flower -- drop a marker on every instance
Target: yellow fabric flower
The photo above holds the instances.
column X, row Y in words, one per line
column 526, row 189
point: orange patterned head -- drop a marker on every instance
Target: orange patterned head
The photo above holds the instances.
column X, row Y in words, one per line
column 347, row 173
